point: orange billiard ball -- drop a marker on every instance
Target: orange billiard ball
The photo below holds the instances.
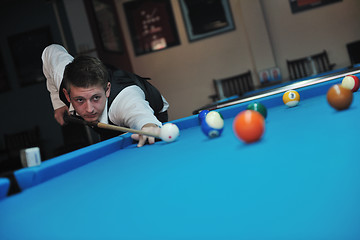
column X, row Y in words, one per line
column 339, row 97
column 249, row 126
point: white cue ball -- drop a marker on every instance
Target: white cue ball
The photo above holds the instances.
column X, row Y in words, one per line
column 169, row 132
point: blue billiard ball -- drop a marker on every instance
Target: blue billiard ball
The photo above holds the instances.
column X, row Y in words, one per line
column 213, row 124
column 202, row 115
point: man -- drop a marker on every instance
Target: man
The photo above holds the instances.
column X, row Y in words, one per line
column 85, row 87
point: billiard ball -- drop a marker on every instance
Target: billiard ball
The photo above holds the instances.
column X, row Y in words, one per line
column 249, row 126
column 202, row 115
column 351, row 82
column 169, row 132
column 339, row 97
column 291, row 98
column 256, row 106
column 213, row 124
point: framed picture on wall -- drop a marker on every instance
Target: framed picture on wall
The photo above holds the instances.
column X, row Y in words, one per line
column 26, row 49
column 302, row 5
column 4, row 82
column 206, row 18
column 152, row 25
column 107, row 24
column 270, row 76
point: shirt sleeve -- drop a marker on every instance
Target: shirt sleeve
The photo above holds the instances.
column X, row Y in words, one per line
column 55, row 58
column 130, row 109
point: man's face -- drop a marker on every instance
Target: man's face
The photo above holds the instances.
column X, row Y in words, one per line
column 90, row 102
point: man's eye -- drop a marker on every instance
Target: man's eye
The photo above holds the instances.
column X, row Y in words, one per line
column 79, row 100
column 96, row 98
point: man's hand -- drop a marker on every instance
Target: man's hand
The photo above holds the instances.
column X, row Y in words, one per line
column 59, row 114
column 150, row 128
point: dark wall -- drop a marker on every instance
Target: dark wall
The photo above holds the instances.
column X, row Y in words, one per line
column 26, row 103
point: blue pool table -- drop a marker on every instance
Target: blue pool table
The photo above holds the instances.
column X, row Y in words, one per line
column 300, row 181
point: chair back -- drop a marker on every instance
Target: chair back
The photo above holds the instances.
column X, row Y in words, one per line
column 299, row 68
column 20, row 140
column 353, row 49
column 308, row 66
column 235, row 85
column 322, row 63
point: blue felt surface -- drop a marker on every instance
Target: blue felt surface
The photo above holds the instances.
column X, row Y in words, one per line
column 300, row 181
column 4, row 187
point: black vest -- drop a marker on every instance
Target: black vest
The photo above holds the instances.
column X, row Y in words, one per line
column 119, row 80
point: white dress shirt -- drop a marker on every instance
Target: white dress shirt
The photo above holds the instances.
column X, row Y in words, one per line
column 129, row 108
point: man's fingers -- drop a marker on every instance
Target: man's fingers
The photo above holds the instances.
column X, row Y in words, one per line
column 142, row 140
column 151, row 140
column 59, row 114
column 135, row 136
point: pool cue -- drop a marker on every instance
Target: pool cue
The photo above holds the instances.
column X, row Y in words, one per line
column 68, row 118
column 123, row 129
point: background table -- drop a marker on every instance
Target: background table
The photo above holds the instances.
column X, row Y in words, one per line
column 271, row 86
column 300, row 181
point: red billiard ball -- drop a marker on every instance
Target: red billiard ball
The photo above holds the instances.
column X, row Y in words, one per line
column 339, row 97
column 249, row 126
column 351, row 82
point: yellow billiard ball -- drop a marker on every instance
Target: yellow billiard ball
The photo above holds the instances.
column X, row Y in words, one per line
column 291, row 98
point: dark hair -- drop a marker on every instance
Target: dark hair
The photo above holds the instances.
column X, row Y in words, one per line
column 85, row 71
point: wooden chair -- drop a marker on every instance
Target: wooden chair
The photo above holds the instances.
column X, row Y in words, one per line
column 322, row 63
column 299, row 68
column 353, row 49
column 230, row 86
column 20, row 140
column 308, row 66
